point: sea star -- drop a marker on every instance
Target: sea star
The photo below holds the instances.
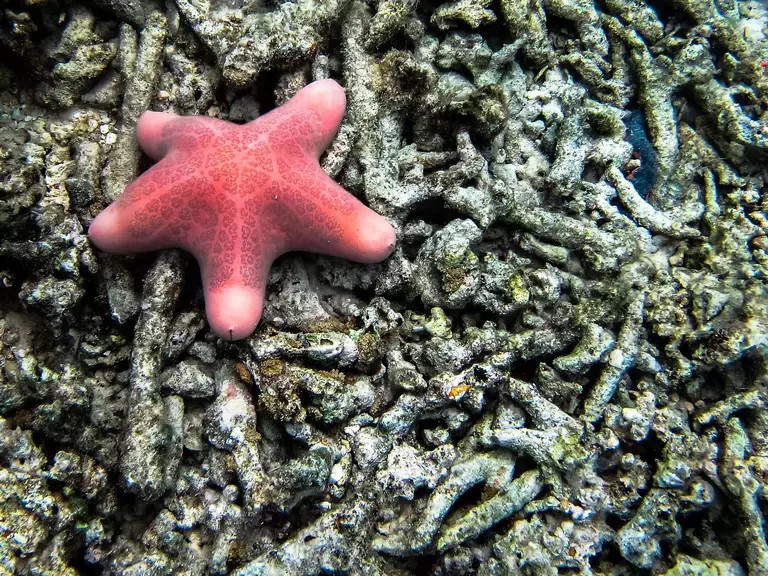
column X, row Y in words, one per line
column 239, row 196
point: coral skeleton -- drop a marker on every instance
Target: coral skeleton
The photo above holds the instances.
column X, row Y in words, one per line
column 559, row 367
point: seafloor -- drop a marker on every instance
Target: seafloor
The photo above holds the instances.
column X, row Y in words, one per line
column 562, row 368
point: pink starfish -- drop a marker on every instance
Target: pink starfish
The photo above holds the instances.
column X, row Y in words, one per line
column 237, row 197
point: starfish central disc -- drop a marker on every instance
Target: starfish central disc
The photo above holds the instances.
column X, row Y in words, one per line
column 239, row 196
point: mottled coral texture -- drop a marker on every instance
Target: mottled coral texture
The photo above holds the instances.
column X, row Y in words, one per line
column 237, row 197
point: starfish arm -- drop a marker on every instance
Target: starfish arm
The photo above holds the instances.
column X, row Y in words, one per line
column 159, row 133
column 150, row 132
column 156, row 211
column 233, row 307
column 336, row 223
column 234, row 263
column 309, row 120
column 119, row 228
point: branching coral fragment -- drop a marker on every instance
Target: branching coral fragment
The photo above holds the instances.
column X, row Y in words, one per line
column 148, row 460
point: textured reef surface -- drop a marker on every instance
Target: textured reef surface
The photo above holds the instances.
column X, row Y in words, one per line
column 562, row 369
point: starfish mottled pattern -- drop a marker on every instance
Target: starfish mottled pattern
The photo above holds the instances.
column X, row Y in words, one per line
column 239, row 196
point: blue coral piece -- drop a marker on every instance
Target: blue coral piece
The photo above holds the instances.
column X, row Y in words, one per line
column 644, row 178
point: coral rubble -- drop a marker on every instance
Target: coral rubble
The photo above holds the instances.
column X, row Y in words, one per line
column 561, row 369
